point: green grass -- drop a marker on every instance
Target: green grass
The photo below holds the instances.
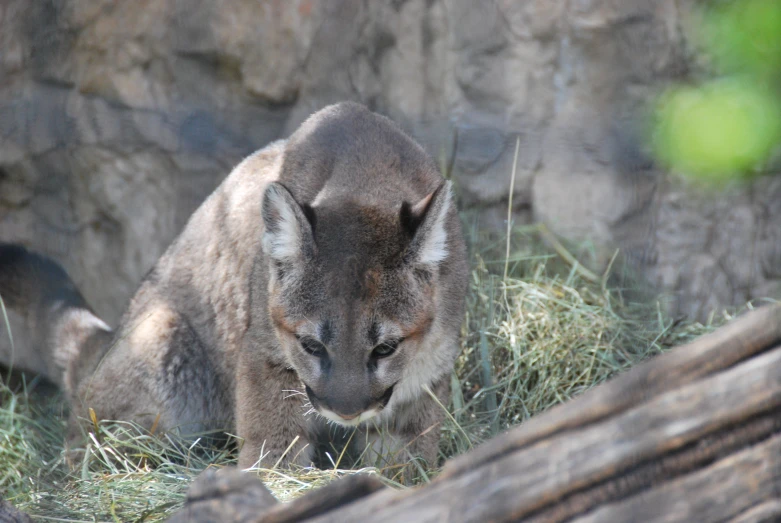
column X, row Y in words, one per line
column 536, row 338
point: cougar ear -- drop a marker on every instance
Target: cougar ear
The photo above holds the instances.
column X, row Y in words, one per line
column 426, row 223
column 288, row 234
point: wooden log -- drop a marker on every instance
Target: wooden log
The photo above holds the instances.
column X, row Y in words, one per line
column 694, row 434
column 225, row 495
column 731, row 488
column 767, row 512
column 333, row 496
column 230, row 495
column 717, row 351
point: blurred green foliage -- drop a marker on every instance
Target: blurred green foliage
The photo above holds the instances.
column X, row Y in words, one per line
column 744, row 35
column 717, row 129
column 729, row 126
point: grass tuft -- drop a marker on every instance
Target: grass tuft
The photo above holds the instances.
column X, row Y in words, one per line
column 544, row 334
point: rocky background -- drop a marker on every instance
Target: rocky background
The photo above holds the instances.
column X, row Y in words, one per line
column 118, row 118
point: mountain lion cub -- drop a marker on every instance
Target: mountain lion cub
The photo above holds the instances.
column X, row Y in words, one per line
column 323, row 281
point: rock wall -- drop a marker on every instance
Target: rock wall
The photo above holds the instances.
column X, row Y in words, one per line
column 118, row 118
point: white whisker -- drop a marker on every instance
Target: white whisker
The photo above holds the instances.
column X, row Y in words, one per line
column 293, row 393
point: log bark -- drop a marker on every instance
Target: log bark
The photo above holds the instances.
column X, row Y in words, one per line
column 230, row 495
column 225, row 495
column 692, row 435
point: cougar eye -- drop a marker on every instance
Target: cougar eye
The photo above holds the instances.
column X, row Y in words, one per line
column 386, row 348
column 313, row 347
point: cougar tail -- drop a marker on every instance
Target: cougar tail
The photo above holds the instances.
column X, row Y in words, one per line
column 60, row 326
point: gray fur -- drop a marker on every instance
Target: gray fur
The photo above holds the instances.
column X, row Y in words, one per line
column 343, row 238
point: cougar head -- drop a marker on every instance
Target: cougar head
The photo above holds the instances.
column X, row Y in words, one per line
column 355, row 297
